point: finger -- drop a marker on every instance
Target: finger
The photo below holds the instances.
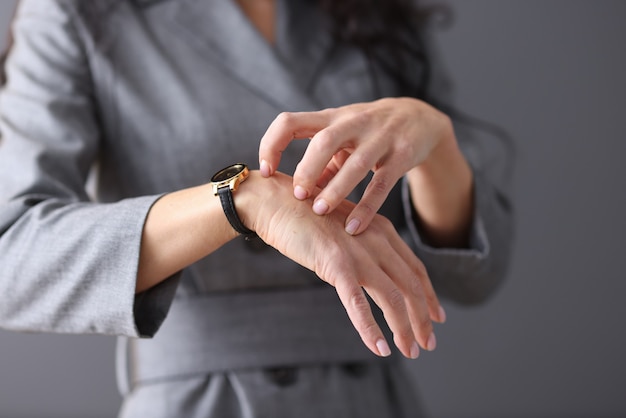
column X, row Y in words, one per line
column 286, row 127
column 327, row 175
column 360, row 314
column 435, row 310
column 376, row 192
column 391, row 300
column 408, row 283
column 356, row 167
column 326, row 143
column 332, row 168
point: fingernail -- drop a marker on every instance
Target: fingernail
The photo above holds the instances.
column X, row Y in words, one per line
column 432, row 342
column 352, row 226
column 415, row 350
column 300, row 193
column 442, row 315
column 265, row 168
column 320, row 207
column 383, row 348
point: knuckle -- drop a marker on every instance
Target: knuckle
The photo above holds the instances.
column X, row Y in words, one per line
column 324, row 139
column 404, row 149
column 383, row 223
column 359, row 302
column 363, row 117
column 284, row 119
column 416, row 287
column 421, row 269
column 395, row 298
column 380, row 184
column 360, row 162
column 330, row 113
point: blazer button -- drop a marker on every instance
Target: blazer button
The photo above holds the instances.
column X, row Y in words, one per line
column 356, row 370
column 282, row 376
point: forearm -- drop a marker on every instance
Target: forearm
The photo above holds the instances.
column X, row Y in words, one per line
column 184, row 226
column 181, row 228
column 442, row 195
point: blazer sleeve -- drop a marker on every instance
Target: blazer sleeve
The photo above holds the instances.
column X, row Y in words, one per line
column 469, row 275
column 67, row 264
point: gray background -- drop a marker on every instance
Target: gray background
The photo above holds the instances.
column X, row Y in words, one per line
column 551, row 343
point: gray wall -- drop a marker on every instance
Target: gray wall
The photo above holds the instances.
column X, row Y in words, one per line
column 551, row 343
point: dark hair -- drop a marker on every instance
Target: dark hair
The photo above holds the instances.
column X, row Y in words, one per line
column 391, row 35
column 387, row 31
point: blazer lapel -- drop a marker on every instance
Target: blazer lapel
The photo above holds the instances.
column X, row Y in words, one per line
column 221, row 31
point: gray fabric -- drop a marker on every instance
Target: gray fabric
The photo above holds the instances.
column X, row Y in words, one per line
column 262, row 329
column 366, row 390
column 157, row 95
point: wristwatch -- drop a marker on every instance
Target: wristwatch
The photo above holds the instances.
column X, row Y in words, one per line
column 224, row 183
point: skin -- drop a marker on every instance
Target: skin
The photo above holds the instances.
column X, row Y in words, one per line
column 261, row 14
column 182, row 228
column 392, row 137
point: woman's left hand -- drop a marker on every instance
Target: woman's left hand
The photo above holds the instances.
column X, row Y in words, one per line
column 388, row 136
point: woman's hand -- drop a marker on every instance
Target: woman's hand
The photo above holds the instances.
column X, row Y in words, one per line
column 377, row 261
column 388, row 136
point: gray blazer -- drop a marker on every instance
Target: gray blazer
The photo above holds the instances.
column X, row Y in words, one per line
column 152, row 96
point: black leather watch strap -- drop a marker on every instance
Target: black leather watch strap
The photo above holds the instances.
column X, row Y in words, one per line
column 226, row 197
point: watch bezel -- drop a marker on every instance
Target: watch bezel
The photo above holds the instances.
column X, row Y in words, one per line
column 230, row 177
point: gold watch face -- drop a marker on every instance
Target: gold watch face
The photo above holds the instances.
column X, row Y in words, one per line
column 229, row 177
column 228, row 173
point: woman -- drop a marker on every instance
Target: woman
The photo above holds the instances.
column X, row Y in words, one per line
column 160, row 95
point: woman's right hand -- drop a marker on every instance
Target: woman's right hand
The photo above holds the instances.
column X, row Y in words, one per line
column 377, row 261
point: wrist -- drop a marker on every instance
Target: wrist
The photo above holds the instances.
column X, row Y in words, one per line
column 442, row 194
column 257, row 197
column 445, row 152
